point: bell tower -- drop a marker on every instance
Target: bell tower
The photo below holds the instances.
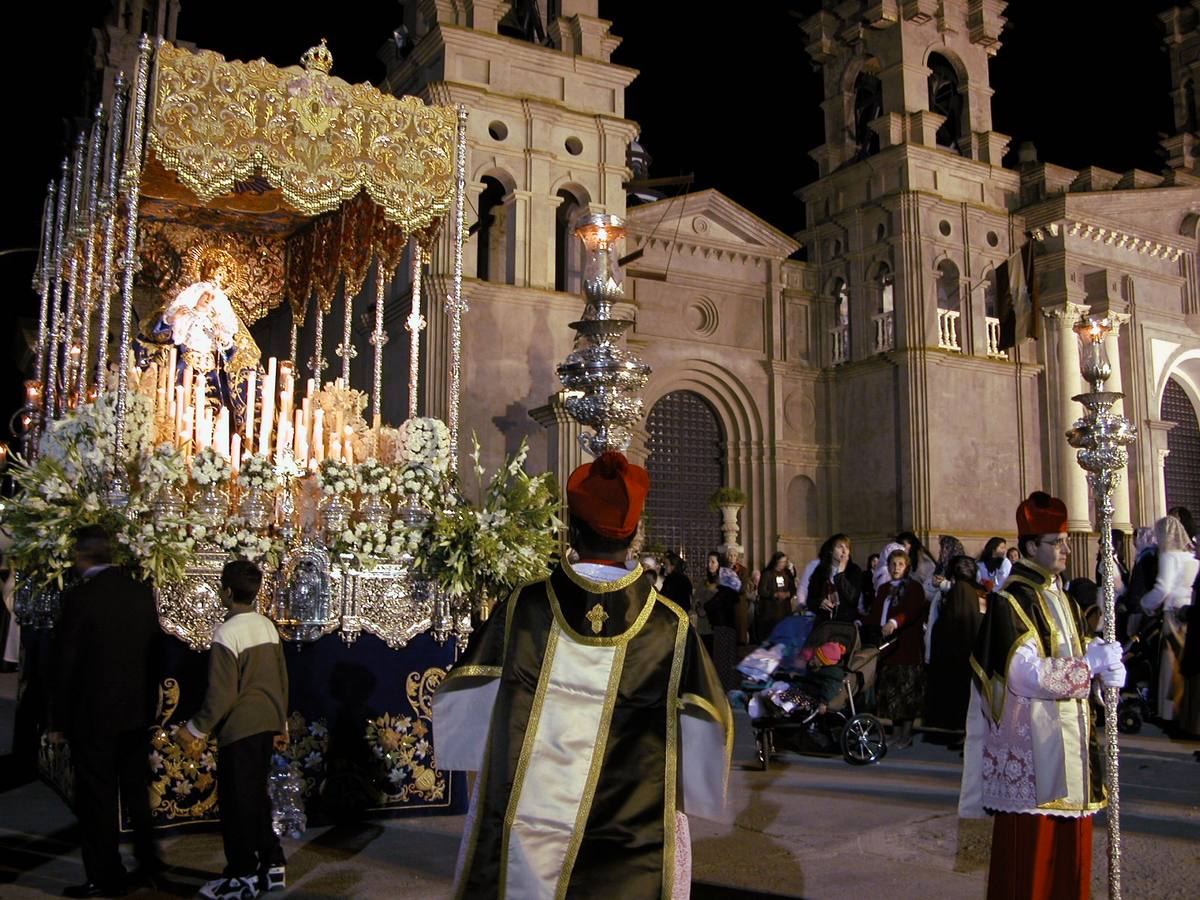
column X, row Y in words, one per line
column 905, row 227
column 906, row 71
column 1181, row 39
column 547, row 142
column 547, row 136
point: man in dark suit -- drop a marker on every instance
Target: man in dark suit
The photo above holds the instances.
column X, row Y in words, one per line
column 108, row 650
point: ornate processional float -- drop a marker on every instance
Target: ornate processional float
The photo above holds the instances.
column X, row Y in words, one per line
column 213, row 199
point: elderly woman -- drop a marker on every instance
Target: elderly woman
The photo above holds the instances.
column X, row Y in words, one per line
column 1172, row 594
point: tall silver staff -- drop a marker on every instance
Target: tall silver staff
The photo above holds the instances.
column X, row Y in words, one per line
column 1101, row 437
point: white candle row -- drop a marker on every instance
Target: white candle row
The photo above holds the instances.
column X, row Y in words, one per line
column 271, row 415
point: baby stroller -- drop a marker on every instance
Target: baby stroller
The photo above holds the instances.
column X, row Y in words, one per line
column 808, row 728
column 1142, row 660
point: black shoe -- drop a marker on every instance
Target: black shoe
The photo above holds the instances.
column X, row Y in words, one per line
column 92, row 889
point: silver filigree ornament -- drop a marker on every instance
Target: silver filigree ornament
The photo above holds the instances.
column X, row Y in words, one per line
column 602, row 378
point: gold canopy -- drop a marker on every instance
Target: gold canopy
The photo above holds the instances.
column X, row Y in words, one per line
column 317, row 139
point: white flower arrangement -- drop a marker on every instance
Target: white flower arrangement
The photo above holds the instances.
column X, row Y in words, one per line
column 210, row 468
column 425, row 441
column 374, row 479
column 336, row 477
column 83, row 440
column 165, row 467
column 258, row 473
column 239, row 540
column 367, row 543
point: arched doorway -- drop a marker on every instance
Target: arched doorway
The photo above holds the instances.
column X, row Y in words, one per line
column 1181, row 473
column 686, row 464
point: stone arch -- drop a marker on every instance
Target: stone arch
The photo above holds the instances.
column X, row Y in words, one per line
column 741, row 422
column 803, row 515
column 949, row 284
column 948, row 80
column 495, row 243
column 1181, row 470
column 568, row 251
column 882, row 281
column 491, row 168
column 1184, row 367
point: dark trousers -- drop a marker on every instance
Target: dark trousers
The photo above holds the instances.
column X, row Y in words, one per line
column 108, row 767
column 250, row 842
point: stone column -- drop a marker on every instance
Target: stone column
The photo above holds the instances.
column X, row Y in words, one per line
column 1156, row 450
column 471, row 247
column 517, row 238
column 1072, row 480
column 563, row 453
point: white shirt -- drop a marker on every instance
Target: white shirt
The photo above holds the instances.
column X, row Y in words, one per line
column 802, row 584
column 1177, row 570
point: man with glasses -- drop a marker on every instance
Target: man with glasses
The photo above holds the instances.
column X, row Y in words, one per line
column 1033, row 755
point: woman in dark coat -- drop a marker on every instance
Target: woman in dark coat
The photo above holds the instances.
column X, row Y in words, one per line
column 949, row 686
column 836, row 583
column 899, row 612
column 776, row 592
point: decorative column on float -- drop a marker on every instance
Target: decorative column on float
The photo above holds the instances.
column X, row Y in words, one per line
column 1101, row 437
column 602, row 378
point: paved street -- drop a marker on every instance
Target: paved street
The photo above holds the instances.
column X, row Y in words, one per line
column 809, row 827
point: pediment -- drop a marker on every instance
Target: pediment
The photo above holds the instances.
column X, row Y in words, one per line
column 710, row 219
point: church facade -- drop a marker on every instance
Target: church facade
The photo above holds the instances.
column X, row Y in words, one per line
column 862, row 389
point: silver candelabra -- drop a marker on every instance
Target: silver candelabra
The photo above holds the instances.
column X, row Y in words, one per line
column 1101, row 437
column 603, row 378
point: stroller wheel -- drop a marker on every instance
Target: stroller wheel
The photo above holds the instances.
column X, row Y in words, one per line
column 1129, row 719
column 762, row 743
column 863, row 740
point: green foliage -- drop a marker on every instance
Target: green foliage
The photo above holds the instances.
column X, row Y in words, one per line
column 726, row 495
column 504, row 542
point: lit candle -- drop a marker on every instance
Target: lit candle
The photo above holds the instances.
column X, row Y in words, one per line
column 282, row 439
column 318, row 435
column 221, row 433
column 300, row 440
column 251, row 384
column 348, row 446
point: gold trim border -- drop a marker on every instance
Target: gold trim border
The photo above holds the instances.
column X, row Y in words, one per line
column 671, row 765
column 593, row 776
column 602, row 587
column 617, row 640
column 514, row 794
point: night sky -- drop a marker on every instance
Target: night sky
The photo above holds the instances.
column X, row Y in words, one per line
column 726, row 93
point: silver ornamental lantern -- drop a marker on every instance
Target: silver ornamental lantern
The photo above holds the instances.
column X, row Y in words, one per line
column 1101, row 437
column 602, row 377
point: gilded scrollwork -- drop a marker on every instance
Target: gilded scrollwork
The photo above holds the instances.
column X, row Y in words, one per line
column 314, row 137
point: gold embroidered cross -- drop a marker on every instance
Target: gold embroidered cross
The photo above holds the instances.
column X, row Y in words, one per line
column 597, row 617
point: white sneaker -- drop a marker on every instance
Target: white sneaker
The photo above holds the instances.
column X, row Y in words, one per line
column 230, row 889
column 272, row 879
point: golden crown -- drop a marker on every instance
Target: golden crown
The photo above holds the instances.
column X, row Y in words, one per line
column 318, row 58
